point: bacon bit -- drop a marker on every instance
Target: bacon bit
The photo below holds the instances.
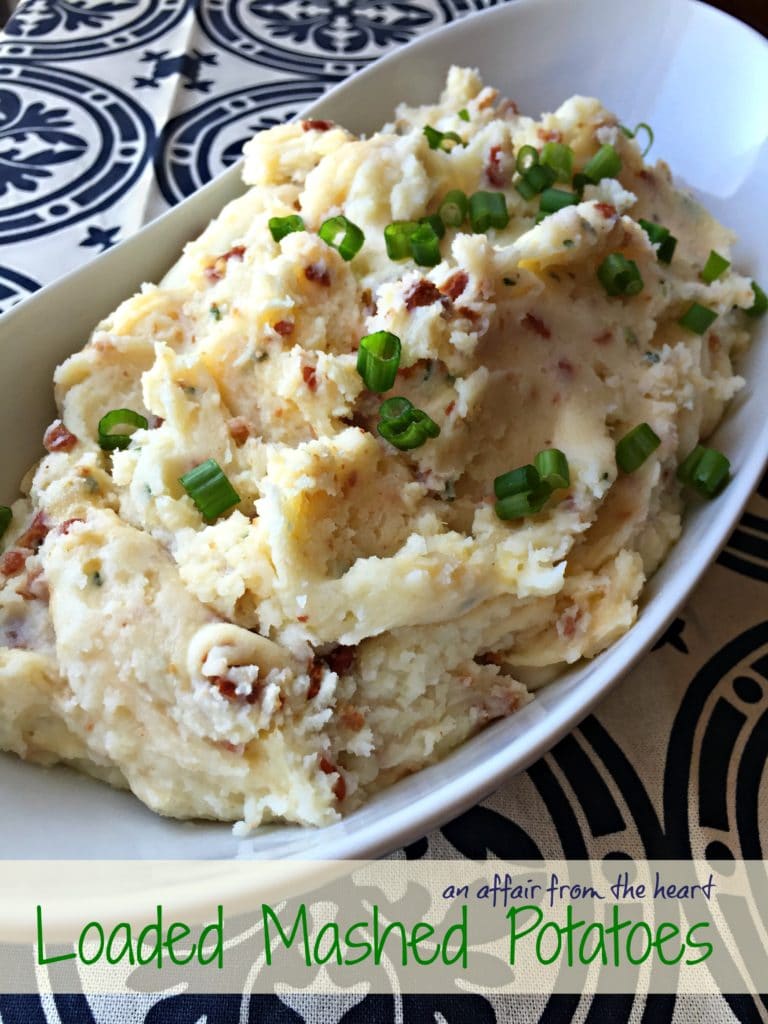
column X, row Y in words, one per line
column 368, row 302
column 284, row 327
column 34, row 536
column 315, row 671
column 65, row 527
column 467, row 314
column 507, row 107
column 228, row 689
column 455, row 284
column 423, row 293
column 302, row 618
column 647, row 175
column 606, row 209
column 155, row 422
column 232, row 748
column 310, row 377
column 549, row 136
column 340, row 659
column 565, row 366
column 316, row 125
column 340, row 786
column 318, row 273
column 12, row 563
column 34, row 588
column 239, row 430
column 355, row 420
column 216, row 270
column 714, row 342
column 537, row 326
column 449, row 408
column 58, row 439
column 352, row 718
column 493, row 171
column 568, row 622
column 351, row 480
column 603, row 339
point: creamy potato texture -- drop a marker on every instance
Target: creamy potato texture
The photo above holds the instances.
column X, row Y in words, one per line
column 362, row 610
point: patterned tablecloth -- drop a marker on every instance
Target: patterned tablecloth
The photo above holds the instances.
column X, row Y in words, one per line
column 112, row 110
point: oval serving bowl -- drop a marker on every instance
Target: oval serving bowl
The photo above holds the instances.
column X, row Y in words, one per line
column 701, row 79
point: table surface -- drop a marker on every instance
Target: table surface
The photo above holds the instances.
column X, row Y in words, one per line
column 159, row 86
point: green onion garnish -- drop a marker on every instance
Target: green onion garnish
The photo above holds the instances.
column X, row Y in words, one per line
column 527, row 157
column 697, row 318
column 552, row 466
column 559, row 157
column 659, row 235
column 535, row 180
column 437, row 140
column 488, row 210
column 619, row 276
column 343, row 235
column 403, row 425
column 516, row 481
column 606, row 163
column 527, row 503
column 638, row 128
column 5, row 519
column 635, row 447
column 397, row 238
column 464, row 114
column 454, row 208
column 282, row 226
column 425, row 245
column 580, row 181
column 378, row 359
column 715, row 266
column 210, row 489
column 119, row 418
column 553, row 199
column 706, row 470
column 435, row 222
column 760, row 305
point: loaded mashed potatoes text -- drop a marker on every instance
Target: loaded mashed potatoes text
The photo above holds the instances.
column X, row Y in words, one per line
column 300, row 579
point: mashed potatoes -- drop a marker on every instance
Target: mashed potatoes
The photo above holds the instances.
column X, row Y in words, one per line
column 362, row 610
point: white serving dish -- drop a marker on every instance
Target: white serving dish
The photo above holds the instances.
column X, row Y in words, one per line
column 701, row 79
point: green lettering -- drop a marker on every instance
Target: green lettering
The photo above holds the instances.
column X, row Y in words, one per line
column 127, row 947
column 81, row 942
column 217, row 930
column 699, row 945
column 267, row 914
column 661, row 938
column 154, row 931
column 514, row 934
column 380, row 942
column 645, row 928
column 599, row 950
column 540, row 943
column 42, row 959
column 330, row 928
column 416, row 938
column 351, row 944
column 462, row 953
column 184, row 930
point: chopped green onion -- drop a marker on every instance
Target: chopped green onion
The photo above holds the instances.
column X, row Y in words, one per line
column 435, row 222
column 516, row 481
column 606, row 163
column 425, row 246
column 404, row 426
column 527, row 157
column 552, row 466
column 559, row 157
column 282, row 226
column 527, row 503
column 437, row 140
column 553, row 199
column 343, row 235
column 715, row 266
column 580, row 181
column 706, row 470
column 5, row 519
column 635, row 447
column 119, row 418
column 619, row 276
column 537, row 178
column 397, row 238
column 760, row 305
column 488, row 210
column 659, row 235
column 378, row 359
column 454, row 208
column 698, row 318
column 526, row 190
column 215, row 311
column 464, row 114
column 638, row 128
column 210, row 489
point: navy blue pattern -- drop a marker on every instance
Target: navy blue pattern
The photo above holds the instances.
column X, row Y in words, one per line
column 79, row 133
